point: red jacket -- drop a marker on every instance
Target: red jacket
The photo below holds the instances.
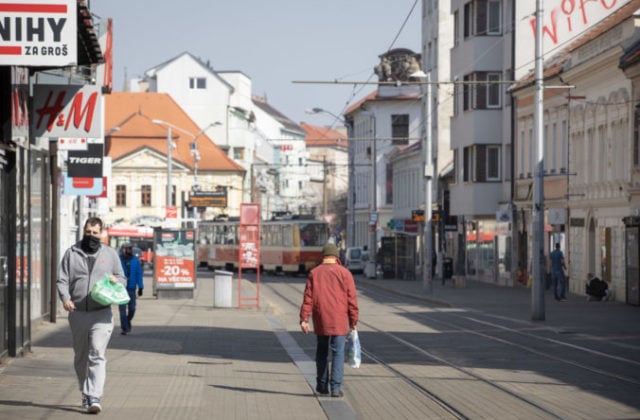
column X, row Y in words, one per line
column 330, row 298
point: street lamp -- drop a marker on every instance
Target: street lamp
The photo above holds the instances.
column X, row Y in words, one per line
column 351, row 202
column 169, row 159
column 429, row 168
column 195, row 153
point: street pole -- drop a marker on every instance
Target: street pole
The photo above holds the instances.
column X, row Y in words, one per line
column 324, row 185
column 169, row 164
column 537, row 289
column 427, row 278
column 373, row 217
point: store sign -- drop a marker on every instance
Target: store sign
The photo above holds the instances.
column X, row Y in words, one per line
column 67, row 111
column 208, row 199
column 42, row 33
column 82, row 186
column 86, row 163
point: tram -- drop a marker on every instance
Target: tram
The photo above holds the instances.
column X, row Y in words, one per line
column 288, row 246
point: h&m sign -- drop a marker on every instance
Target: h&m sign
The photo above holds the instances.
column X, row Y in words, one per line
column 67, row 111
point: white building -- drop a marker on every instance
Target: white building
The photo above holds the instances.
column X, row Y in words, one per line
column 250, row 131
column 383, row 122
column 290, row 160
column 437, row 42
column 327, row 167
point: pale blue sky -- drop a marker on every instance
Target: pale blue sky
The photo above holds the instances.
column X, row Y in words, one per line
column 272, row 41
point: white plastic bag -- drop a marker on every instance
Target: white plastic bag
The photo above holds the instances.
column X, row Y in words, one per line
column 354, row 352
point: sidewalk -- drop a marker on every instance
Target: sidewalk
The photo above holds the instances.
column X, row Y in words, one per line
column 184, row 359
column 575, row 315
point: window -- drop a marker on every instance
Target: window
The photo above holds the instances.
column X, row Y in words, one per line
column 493, row 163
column 389, row 185
column 456, row 29
column 238, row 153
column 466, row 168
column 636, row 138
column 197, row 83
column 121, row 195
column 468, row 30
column 479, row 95
column 400, row 128
column 145, row 195
column 481, row 163
column 456, row 166
column 482, row 17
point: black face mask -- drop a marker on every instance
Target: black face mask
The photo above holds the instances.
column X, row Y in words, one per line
column 90, row 244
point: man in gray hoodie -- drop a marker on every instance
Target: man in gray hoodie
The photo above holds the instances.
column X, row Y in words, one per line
column 91, row 323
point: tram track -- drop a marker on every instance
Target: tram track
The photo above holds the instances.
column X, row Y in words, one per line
column 449, row 406
column 509, row 330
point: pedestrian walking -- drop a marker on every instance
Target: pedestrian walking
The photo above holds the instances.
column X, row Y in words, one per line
column 557, row 273
column 330, row 299
column 91, row 323
column 133, row 272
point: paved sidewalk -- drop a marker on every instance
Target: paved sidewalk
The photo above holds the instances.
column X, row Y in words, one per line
column 183, row 360
column 575, row 315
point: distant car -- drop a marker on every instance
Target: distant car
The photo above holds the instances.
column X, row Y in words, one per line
column 355, row 259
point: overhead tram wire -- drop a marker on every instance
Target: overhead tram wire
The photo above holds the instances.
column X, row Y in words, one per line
column 357, row 90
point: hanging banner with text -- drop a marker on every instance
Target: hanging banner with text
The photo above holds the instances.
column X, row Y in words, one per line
column 174, row 265
column 42, row 33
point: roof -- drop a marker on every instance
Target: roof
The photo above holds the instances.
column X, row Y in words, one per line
column 374, row 97
column 323, row 136
column 277, row 115
column 129, row 128
column 558, row 63
column 151, row 73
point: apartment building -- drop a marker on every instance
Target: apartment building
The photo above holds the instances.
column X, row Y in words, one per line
column 481, row 59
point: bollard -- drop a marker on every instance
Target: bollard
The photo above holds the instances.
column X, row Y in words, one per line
column 222, row 289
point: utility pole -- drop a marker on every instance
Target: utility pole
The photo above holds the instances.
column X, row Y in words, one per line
column 324, row 185
column 169, row 165
column 427, row 265
column 537, row 289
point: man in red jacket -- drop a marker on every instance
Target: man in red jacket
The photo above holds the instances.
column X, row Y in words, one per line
column 330, row 298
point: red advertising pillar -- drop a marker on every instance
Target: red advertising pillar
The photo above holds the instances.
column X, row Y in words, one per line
column 249, row 250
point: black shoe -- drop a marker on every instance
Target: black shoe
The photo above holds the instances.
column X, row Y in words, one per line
column 322, row 390
column 123, row 332
column 337, row 394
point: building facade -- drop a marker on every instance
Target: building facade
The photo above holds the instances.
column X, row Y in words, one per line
column 591, row 151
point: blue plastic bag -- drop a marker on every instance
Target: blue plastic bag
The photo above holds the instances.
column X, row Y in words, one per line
column 354, row 351
column 106, row 292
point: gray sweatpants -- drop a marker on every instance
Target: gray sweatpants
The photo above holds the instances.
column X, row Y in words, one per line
column 91, row 333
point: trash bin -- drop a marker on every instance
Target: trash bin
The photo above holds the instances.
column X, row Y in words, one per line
column 447, row 268
column 222, row 289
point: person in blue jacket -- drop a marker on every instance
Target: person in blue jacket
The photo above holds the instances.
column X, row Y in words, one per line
column 133, row 271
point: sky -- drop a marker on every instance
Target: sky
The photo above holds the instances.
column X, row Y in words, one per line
column 273, row 42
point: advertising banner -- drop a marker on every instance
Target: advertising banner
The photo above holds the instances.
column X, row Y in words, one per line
column 174, row 265
column 67, row 111
column 42, row 33
column 86, row 163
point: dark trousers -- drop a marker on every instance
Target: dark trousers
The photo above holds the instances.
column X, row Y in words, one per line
column 127, row 311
